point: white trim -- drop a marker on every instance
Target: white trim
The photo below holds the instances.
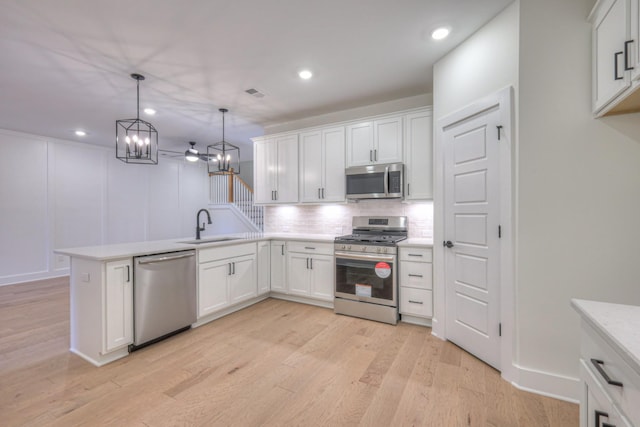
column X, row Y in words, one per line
column 504, row 99
column 548, row 384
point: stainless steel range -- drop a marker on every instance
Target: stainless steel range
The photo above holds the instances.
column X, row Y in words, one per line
column 366, row 268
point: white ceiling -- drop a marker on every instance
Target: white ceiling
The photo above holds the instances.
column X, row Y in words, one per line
column 65, row 64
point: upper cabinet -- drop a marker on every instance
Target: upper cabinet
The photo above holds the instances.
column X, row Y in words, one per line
column 322, row 176
column 276, row 169
column 373, row 142
column 616, row 56
column 418, row 155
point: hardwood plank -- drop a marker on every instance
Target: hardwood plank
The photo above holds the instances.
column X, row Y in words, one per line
column 274, row 363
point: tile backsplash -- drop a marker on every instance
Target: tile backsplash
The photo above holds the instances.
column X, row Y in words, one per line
column 336, row 219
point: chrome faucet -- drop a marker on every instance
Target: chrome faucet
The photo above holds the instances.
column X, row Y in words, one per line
column 198, row 228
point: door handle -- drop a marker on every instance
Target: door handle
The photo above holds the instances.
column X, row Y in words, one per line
column 615, row 65
column 626, row 55
column 448, row 244
column 128, row 274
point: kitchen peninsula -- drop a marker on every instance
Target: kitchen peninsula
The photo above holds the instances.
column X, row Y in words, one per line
column 101, row 285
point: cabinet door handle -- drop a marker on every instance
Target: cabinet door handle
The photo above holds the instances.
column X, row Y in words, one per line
column 375, row 155
column 282, row 249
column 408, row 189
column 598, row 364
column 615, row 65
column 229, row 267
column 371, row 155
column 626, row 55
column 319, row 196
column 310, row 263
column 323, row 192
column 415, row 275
column 233, row 265
column 128, row 274
column 307, row 263
column 416, row 302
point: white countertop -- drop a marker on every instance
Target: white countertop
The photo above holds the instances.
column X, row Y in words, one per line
column 417, row 242
column 618, row 324
column 126, row 250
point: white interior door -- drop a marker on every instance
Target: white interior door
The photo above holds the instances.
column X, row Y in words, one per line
column 471, row 221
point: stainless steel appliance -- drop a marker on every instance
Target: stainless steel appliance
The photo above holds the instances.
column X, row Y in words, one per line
column 366, row 268
column 375, row 181
column 164, row 296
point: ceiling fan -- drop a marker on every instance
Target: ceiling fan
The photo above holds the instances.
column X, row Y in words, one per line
column 191, row 154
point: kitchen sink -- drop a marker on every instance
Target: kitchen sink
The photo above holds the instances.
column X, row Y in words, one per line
column 211, row 240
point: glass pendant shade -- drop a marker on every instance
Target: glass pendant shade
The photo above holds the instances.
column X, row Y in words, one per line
column 136, row 139
column 223, row 156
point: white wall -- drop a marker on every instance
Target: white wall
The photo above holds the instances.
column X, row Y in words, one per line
column 70, row 194
column 579, row 182
column 576, row 178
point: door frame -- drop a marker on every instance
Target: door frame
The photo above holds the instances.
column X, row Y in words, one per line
column 507, row 152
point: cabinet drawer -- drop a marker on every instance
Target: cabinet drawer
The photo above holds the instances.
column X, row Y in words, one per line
column 416, row 274
column 224, row 252
column 416, row 302
column 593, row 346
column 598, row 403
column 416, row 254
column 311, row 247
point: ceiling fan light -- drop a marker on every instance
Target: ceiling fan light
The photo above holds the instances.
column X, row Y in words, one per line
column 191, row 155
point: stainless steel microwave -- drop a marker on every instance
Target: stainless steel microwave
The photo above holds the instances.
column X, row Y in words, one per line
column 375, row 181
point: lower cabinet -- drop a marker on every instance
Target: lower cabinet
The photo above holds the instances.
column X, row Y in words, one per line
column 118, row 304
column 101, row 309
column 416, row 282
column 310, row 270
column 264, row 268
column 226, row 276
column 278, row 274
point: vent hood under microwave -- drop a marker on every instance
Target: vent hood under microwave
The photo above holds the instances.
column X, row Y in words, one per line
column 375, row 181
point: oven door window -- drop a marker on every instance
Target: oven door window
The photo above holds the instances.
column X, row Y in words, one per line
column 365, row 279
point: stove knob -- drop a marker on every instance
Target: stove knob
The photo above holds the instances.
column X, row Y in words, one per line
column 349, row 247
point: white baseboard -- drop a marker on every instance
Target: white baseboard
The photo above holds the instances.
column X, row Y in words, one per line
column 547, row 384
column 30, row 277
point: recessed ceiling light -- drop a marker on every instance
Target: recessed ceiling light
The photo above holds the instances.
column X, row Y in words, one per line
column 440, row 33
column 305, row 74
column 80, row 132
column 150, row 111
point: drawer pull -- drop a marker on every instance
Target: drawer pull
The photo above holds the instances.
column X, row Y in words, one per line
column 598, row 365
column 310, row 248
column 598, row 415
column 415, row 275
column 416, row 302
column 414, row 254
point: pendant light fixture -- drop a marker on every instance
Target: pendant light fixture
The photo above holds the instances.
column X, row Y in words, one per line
column 223, row 156
column 136, row 139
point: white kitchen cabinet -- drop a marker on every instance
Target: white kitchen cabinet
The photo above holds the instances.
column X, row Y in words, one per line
column 418, row 155
column 375, row 142
column 310, row 270
column 276, row 169
column 609, row 368
column 226, row 276
column 264, row 268
column 101, row 307
column 416, row 284
column 615, row 56
column 118, row 304
column 322, row 165
column 278, row 267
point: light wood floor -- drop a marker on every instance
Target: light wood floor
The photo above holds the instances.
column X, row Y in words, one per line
column 275, row 363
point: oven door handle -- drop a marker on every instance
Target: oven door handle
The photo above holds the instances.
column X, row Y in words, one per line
column 365, row 257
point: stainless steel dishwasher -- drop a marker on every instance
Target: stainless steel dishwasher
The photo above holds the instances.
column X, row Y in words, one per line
column 164, row 296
